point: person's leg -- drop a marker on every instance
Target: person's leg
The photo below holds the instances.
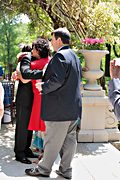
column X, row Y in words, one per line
column 68, row 150
column 28, row 151
column 38, row 141
column 38, row 144
column 21, row 132
column 53, row 141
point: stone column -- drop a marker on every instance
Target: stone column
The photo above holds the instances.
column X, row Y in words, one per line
column 98, row 123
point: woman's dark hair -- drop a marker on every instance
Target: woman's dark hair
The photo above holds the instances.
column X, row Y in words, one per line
column 42, row 46
column 26, row 48
column 63, row 33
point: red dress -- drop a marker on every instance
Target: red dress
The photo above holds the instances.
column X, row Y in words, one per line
column 36, row 123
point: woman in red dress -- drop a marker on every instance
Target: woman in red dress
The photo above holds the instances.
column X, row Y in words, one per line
column 36, row 123
column 40, row 50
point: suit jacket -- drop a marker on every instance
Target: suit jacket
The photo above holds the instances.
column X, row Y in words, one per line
column 26, row 71
column 114, row 96
column 61, row 98
column 24, row 95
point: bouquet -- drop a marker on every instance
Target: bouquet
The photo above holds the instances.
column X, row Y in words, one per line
column 92, row 44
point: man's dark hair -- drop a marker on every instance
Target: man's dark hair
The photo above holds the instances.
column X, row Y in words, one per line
column 26, row 48
column 62, row 33
column 42, row 46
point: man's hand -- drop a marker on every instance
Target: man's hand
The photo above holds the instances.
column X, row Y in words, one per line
column 19, row 75
column 14, row 76
column 39, row 86
column 114, row 69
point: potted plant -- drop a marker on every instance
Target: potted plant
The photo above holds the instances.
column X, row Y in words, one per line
column 93, row 51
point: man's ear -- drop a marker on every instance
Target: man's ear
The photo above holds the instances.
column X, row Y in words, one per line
column 60, row 41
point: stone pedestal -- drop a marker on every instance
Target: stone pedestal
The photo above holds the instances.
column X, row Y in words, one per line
column 98, row 122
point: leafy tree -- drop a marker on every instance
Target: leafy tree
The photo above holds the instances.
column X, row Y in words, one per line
column 93, row 18
column 86, row 17
column 90, row 18
column 12, row 33
column 37, row 10
column 7, row 40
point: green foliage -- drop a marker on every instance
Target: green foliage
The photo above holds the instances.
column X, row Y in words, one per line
column 41, row 23
column 7, row 40
column 12, row 33
column 85, row 18
column 104, row 21
column 95, row 19
column 90, row 19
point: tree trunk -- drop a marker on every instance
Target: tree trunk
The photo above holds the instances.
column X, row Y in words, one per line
column 107, row 61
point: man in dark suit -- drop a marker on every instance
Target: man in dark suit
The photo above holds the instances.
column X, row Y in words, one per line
column 61, row 106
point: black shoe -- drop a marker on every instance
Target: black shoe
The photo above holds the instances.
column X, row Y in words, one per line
column 32, row 155
column 23, row 160
column 34, row 172
column 28, row 153
column 63, row 175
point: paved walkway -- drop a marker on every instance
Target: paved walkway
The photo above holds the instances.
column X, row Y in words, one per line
column 92, row 161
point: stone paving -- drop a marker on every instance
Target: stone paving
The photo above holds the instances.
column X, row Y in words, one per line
column 92, row 161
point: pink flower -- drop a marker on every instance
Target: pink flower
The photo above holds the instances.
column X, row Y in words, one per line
column 101, row 40
column 92, row 40
column 92, row 43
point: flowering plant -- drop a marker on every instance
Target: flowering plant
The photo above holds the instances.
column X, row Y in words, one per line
column 93, row 44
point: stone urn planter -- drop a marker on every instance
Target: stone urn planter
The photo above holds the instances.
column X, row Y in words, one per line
column 92, row 62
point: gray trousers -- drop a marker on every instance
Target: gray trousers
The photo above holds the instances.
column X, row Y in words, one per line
column 60, row 139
